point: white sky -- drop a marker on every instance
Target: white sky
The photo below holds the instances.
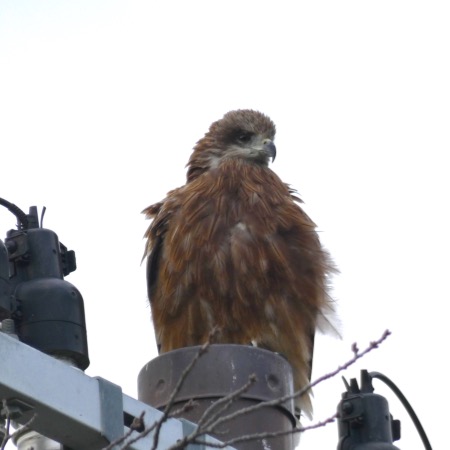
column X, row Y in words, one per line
column 101, row 103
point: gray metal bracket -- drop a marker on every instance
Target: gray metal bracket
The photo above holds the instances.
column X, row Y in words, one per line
column 70, row 407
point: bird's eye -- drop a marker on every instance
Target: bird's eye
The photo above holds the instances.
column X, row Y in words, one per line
column 243, row 137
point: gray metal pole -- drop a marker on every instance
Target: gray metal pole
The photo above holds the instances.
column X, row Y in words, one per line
column 220, row 371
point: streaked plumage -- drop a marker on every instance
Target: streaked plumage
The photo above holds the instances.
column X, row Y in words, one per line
column 232, row 248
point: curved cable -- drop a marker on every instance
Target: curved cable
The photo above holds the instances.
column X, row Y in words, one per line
column 21, row 216
column 406, row 404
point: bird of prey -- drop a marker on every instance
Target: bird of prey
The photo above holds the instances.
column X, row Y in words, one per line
column 232, row 249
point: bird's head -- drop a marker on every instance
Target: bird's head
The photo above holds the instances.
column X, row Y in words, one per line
column 241, row 134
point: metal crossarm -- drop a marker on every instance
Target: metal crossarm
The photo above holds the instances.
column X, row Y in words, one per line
column 70, row 407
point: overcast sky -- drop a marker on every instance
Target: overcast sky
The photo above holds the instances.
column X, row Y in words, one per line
column 101, row 103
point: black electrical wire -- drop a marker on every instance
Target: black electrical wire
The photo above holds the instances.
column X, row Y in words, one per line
column 406, row 404
column 42, row 217
column 21, row 216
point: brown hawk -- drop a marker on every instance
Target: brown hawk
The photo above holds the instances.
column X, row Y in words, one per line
column 233, row 249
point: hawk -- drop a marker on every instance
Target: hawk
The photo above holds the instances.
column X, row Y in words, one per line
column 232, row 249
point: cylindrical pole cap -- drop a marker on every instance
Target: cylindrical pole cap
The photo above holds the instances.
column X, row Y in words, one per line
column 222, row 370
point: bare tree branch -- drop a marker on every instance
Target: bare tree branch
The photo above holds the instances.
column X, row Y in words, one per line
column 210, row 427
column 357, row 355
column 210, row 420
column 179, row 384
column 138, row 423
column 7, row 436
column 214, row 411
column 188, row 406
column 156, row 426
column 257, row 436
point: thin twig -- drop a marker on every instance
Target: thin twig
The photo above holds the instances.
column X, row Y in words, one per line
column 7, row 435
column 268, row 434
column 278, row 401
column 139, row 423
column 157, row 425
column 188, row 406
column 178, row 386
column 208, row 416
column 140, row 435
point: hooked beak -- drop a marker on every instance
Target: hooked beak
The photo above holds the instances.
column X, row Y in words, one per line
column 270, row 149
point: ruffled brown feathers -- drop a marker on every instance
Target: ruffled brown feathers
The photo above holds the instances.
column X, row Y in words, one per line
column 232, row 248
